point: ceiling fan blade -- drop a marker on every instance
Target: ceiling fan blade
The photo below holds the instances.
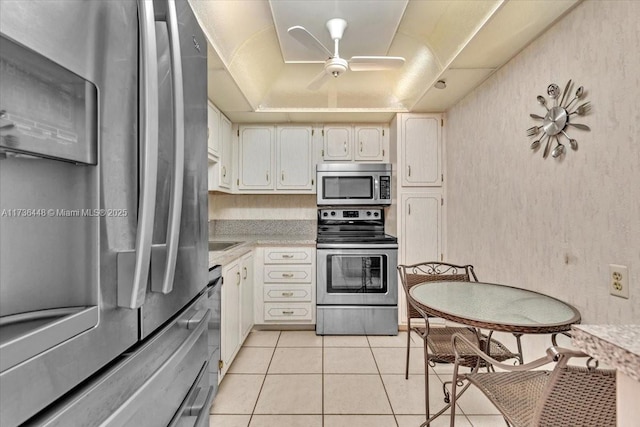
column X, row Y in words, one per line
column 319, row 81
column 375, row 63
column 309, row 40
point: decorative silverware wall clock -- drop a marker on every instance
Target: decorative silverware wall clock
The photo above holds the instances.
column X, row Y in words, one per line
column 558, row 119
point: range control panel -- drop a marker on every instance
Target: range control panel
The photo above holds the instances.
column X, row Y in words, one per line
column 351, row 214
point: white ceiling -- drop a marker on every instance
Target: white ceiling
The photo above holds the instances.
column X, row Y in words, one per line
column 258, row 73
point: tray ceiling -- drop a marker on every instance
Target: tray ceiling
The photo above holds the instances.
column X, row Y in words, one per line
column 258, row 73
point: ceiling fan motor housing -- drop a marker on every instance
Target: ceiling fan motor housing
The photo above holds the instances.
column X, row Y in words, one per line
column 336, row 66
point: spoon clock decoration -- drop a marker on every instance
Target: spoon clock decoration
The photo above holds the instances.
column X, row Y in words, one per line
column 558, row 119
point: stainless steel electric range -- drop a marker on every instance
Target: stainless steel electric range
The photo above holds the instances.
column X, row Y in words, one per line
column 357, row 285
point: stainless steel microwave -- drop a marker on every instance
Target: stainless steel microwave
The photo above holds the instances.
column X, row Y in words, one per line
column 353, row 184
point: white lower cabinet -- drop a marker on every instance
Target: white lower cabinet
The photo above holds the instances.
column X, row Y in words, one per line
column 237, row 309
column 287, row 285
column 421, row 233
column 246, row 295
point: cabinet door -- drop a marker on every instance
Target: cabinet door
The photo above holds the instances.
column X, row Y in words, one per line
column 226, row 154
column 421, row 151
column 213, row 130
column 337, row 143
column 421, row 224
column 368, row 143
column 255, row 158
column 230, row 317
column 246, row 295
column 294, row 158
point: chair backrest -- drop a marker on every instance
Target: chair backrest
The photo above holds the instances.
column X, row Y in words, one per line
column 411, row 275
column 578, row 396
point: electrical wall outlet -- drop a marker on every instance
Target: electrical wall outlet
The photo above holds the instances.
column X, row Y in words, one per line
column 619, row 280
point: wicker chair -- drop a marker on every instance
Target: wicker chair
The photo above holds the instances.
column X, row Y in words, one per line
column 437, row 340
column 564, row 396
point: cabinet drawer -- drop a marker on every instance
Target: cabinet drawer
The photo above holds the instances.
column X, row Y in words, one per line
column 278, row 293
column 287, row 274
column 288, row 255
column 286, row 311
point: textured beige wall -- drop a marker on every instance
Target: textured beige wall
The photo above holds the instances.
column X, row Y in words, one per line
column 543, row 224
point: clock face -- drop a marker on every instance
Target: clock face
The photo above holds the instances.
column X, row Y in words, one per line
column 555, row 121
column 558, row 119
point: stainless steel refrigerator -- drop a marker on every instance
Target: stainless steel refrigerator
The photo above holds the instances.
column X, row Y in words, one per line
column 104, row 304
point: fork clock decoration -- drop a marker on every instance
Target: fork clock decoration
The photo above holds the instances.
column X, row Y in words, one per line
column 558, row 118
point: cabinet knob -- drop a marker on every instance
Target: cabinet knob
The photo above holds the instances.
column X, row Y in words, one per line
column 282, row 176
column 245, row 273
column 287, row 256
column 288, row 275
column 287, row 294
column 267, row 176
column 287, row 312
column 409, row 166
column 361, row 146
column 409, row 206
column 224, row 171
column 238, row 278
column 345, row 147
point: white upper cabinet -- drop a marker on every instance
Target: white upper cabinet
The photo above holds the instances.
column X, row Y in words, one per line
column 256, row 154
column 276, row 158
column 226, row 154
column 421, row 150
column 369, row 143
column 349, row 142
column 213, row 130
column 294, row 160
column 219, row 149
column 338, row 140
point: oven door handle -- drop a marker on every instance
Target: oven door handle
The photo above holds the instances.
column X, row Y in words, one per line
column 357, row 246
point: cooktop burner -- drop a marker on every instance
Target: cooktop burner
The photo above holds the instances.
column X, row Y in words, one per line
column 352, row 226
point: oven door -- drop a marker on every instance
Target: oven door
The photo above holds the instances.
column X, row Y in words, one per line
column 357, row 276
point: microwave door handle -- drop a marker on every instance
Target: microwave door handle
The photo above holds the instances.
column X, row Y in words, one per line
column 175, row 198
column 133, row 266
column 376, row 188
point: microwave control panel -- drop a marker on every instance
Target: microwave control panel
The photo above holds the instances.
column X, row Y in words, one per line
column 385, row 187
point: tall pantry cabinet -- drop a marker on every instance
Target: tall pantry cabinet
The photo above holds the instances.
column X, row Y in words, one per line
column 418, row 179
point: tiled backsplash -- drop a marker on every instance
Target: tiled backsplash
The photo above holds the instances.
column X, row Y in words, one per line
column 219, row 228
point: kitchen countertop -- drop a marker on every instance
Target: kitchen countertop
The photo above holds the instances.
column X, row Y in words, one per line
column 249, row 242
column 615, row 345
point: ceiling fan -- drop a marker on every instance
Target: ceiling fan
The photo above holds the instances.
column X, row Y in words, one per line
column 335, row 65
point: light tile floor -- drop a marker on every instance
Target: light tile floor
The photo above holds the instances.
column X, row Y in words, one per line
column 298, row 379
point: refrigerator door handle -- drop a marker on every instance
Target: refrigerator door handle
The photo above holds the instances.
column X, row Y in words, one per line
column 133, row 265
column 175, row 201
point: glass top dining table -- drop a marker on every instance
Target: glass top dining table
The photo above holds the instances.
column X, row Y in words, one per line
column 495, row 307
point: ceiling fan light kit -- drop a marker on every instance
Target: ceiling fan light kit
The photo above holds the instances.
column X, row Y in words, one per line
column 557, row 119
column 336, row 66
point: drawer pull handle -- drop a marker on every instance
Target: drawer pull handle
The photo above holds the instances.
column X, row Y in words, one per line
column 290, row 312
column 287, row 294
column 287, row 275
column 287, row 256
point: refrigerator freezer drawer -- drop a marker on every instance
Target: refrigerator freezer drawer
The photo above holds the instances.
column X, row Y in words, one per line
column 150, row 386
